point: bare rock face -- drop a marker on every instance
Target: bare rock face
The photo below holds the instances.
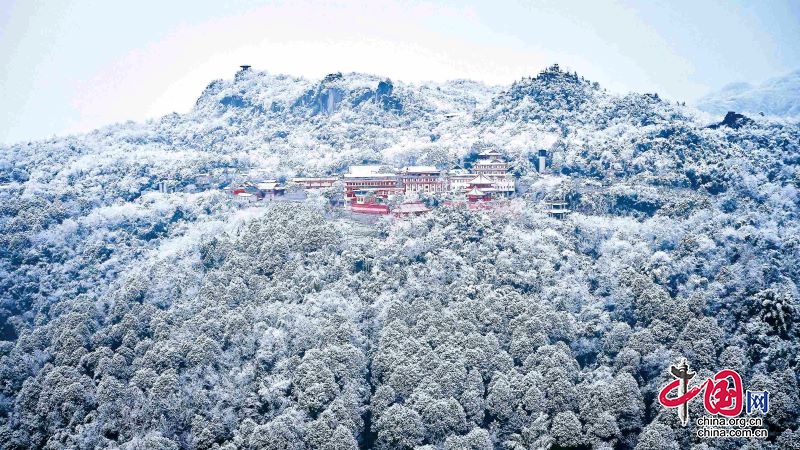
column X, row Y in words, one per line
column 733, row 120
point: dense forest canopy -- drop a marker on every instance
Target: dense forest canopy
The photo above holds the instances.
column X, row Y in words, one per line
column 135, row 319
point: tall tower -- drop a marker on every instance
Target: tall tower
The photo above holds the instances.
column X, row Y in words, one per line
column 542, row 160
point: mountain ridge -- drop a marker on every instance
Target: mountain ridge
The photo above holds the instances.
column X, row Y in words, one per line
column 287, row 126
column 779, row 97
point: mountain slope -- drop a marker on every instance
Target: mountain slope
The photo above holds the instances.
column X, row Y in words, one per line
column 132, row 318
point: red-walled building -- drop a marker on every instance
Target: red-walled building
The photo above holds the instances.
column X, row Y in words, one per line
column 410, row 209
column 369, row 178
column 477, row 195
column 482, row 183
column 367, row 202
column 426, row 179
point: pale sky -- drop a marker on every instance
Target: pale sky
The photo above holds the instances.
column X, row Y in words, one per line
column 72, row 66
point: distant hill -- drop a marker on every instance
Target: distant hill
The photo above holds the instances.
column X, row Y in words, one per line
column 775, row 97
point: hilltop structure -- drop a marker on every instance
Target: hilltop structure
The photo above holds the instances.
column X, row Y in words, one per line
column 369, row 188
column 371, row 178
column 410, row 209
column 493, row 177
column 426, row 179
column 368, row 202
column 490, row 164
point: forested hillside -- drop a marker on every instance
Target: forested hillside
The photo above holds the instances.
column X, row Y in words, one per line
column 135, row 319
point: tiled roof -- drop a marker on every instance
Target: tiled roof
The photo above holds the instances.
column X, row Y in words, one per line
column 481, row 180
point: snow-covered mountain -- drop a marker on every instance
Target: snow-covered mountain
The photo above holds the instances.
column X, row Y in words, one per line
column 778, row 97
column 136, row 319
